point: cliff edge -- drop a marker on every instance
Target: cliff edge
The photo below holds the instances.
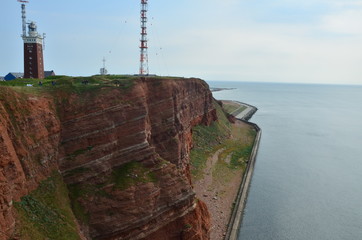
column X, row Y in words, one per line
column 106, row 158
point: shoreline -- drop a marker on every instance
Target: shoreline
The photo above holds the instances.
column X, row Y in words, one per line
column 221, row 187
column 236, row 216
column 214, row 89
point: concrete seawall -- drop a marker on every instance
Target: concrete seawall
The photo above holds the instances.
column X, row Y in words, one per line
column 237, row 213
column 245, row 114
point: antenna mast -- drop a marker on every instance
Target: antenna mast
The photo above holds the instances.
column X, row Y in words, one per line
column 103, row 70
column 143, row 47
column 23, row 16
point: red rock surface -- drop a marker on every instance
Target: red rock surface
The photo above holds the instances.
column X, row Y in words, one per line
column 95, row 143
column 29, row 139
column 194, row 225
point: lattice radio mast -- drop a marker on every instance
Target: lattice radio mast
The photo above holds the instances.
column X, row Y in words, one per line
column 144, row 47
column 23, row 16
column 103, row 70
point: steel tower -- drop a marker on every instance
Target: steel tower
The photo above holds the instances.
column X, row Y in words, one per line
column 144, row 47
column 23, row 16
column 103, row 70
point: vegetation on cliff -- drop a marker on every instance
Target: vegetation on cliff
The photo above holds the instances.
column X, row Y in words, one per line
column 124, row 162
column 122, row 177
column 236, row 143
column 219, row 159
column 206, row 139
column 45, row 213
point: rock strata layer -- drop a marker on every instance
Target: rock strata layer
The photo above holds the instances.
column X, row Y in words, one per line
column 122, row 151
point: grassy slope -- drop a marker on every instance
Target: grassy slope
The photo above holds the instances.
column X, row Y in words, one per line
column 218, row 167
column 235, row 141
column 46, row 213
column 66, row 85
column 206, row 139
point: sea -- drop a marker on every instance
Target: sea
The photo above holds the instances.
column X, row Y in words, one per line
column 307, row 182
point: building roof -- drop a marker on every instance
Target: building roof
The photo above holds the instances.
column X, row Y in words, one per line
column 17, row 74
column 13, row 75
column 49, row 73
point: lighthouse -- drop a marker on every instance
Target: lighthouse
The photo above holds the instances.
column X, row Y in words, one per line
column 33, row 49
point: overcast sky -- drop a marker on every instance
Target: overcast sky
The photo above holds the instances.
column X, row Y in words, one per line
column 312, row 41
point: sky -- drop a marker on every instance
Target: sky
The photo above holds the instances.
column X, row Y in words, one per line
column 309, row 41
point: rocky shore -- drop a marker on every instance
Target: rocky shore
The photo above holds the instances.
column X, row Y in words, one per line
column 222, row 182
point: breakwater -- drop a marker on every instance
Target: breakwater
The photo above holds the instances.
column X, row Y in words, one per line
column 246, row 114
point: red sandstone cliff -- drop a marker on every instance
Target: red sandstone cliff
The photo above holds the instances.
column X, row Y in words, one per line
column 122, row 151
column 29, row 139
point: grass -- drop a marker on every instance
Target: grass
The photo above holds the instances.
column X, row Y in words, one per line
column 229, row 108
column 234, row 157
column 233, row 108
column 70, row 84
column 239, row 156
column 130, row 174
column 206, row 138
column 46, row 213
column 77, row 191
column 236, row 144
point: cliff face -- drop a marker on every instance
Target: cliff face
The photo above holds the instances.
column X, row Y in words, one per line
column 123, row 153
column 29, row 139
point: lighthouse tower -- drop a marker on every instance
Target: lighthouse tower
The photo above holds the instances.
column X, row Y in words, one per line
column 33, row 50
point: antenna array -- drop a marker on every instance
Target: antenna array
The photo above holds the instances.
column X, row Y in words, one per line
column 23, row 16
column 144, row 47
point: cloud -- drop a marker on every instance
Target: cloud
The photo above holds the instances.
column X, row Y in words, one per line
column 345, row 22
column 268, row 52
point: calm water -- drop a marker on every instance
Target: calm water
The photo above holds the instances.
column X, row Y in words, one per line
column 307, row 183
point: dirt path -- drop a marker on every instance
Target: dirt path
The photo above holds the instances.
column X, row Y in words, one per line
column 221, row 179
column 219, row 196
column 206, row 182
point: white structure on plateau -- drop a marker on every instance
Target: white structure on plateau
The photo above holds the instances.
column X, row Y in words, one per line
column 144, row 47
column 103, row 70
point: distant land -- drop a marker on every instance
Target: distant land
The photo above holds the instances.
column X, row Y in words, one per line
column 220, row 89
